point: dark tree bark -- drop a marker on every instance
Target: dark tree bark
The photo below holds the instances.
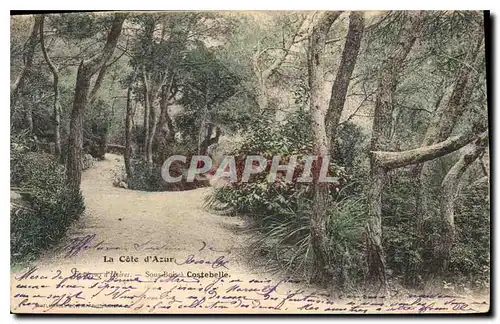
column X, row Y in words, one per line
column 28, row 54
column 55, row 86
column 381, row 135
column 85, row 72
column 166, row 132
column 128, row 133
column 209, row 140
column 206, row 140
column 344, row 73
column 152, row 130
column 146, row 117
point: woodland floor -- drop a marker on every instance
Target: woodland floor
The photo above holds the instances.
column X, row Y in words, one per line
column 173, row 223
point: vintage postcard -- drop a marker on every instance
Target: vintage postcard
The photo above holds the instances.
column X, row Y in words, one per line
column 206, row 162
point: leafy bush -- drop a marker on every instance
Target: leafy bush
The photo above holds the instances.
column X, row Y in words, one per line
column 149, row 179
column 414, row 259
column 281, row 210
column 282, row 228
column 47, row 207
column 272, row 137
column 87, row 161
column 470, row 259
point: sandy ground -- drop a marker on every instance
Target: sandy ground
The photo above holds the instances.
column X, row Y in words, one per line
column 174, row 223
column 120, row 222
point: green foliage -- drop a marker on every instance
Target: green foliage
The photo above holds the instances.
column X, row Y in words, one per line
column 149, row 179
column 469, row 265
column 212, row 63
column 143, row 177
column 269, row 137
column 208, row 85
column 281, row 210
column 79, row 27
column 47, row 207
column 470, row 260
column 281, row 218
column 349, row 141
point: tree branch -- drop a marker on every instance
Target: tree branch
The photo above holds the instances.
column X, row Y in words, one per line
column 100, row 76
column 393, row 160
column 28, row 53
column 95, row 62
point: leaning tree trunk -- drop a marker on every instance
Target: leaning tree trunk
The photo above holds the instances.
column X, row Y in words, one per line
column 381, row 135
column 384, row 161
column 85, row 72
column 318, row 107
column 439, row 129
column 55, row 86
column 446, row 117
column 449, row 192
column 75, row 136
column 206, row 141
column 344, row 73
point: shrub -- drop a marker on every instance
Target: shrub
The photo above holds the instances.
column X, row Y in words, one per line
column 87, row 161
column 282, row 228
column 281, row 210
column 414, row 259
column 470, row 260
column 149, row 179
column 48, row 207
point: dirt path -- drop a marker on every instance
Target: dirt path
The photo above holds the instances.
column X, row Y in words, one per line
column 120, row 223
column 173, row 223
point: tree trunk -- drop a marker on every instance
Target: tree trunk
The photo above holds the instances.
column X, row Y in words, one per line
column 393, row 160
column 206, row 140
column 85, row 72
column 446, row 117
column 344, row 73
column 147, row 105
column 318, row 107
column 152, row 131
column 374, row 249
column 262, row 96
column 29, row 52
column 439, row 129
column 128, row 133
column 75, row 136
column 381, row 135
column 166, row 126
column 55, row 86
column 165, row 132
column 449, row 192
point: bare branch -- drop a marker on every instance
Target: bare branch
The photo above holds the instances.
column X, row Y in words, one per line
column 393, row 160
